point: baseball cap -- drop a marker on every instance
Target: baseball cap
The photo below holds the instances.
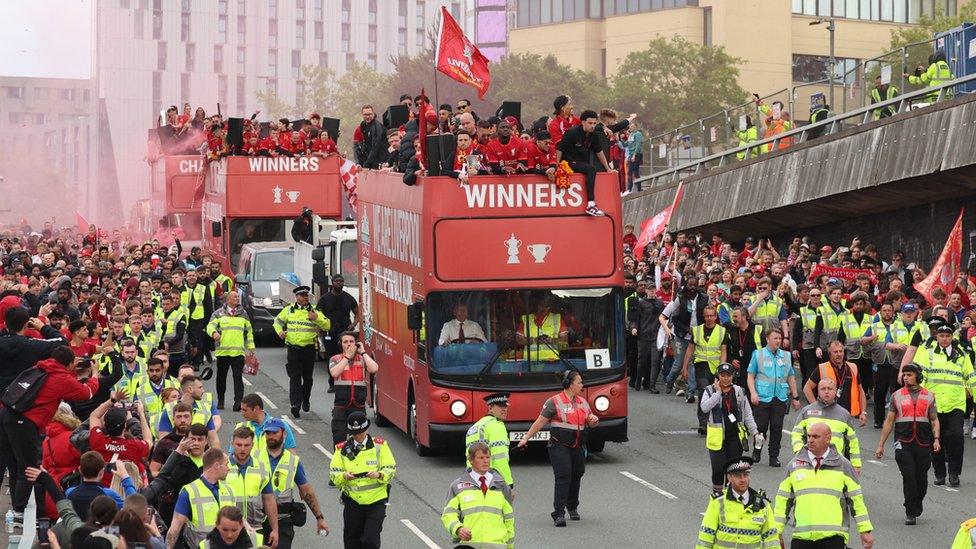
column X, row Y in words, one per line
column 725, row 368
column 114, row 421
column 274, row 425
column 909, row 308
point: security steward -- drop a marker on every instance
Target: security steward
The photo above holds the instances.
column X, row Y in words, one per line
column 287, row 473
column 174, row 335
column 478, row 512
column 729, row 420
column 817, row 480
column 708, row 348
column 850, row 396
column 568, row 415
column 490, row 430
column 197, row 299
column 149, row 389
column 948, row 374
column 349, row 369
column 937, row 73
column 826, row 410
column 199, row 501
column 362, row 468
column 298, row 324
column 545, row 334
column 741, row 516
column 231, row 331
column 914, row 417
column 249, row 479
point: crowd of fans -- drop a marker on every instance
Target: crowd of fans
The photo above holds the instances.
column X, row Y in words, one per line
column 119, row 422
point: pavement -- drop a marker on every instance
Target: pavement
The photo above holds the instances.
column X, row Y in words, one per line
column 650, row 491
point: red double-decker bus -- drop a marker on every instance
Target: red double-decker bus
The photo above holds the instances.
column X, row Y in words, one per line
column 175, row 185
column 255, row 199
column 515, row 251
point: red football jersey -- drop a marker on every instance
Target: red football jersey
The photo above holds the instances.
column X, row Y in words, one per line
column 539, row 158
column 506, row 154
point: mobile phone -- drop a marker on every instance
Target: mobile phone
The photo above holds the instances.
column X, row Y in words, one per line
column 43, row 525
column 362, row 475
column 110, row 467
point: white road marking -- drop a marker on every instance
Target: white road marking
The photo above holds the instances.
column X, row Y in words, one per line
column 246, row 382
column 947, row 489
column 680, row 432
column 785, row 432
column 266, row 400
column 876, row 462
column 322, row 449
column 417, row 532
column 643, row 482
column 295, row 427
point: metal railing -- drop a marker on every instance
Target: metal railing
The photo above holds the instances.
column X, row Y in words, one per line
column 802, row 134
column 712, row 134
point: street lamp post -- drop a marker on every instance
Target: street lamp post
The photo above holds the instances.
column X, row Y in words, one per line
column 831, row 27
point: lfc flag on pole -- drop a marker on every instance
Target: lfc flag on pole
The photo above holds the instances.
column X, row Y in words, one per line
column 945, row 272
column 651, row 228
column 458, row 58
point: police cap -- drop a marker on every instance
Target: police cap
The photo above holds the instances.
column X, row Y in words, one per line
column 497, row 399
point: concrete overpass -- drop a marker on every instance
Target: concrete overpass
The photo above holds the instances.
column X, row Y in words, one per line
column 898, row 182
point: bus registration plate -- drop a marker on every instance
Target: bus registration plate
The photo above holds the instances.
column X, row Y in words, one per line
column 516, row 436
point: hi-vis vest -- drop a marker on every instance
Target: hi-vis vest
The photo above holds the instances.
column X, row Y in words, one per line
column 204, row 509
column 300, row 331
column 768, row 312
column 364, row 490
column 283, row 476
column 128, row 384
column 350, row 388
column 854, row 331
column 192, row 300
column 225, row 282
column 947, row 378
column 937, row 74
column 746, row 136
column 827, row 372
column 729, row 523
column 492, row 432
column 965, row 536
column 247, row 488
column 569, row 424
column 537, row 350
column 715, row 428
column 488, row 515
column 202, row 409
column 236, row 336
column 912, row 416
column 708, row 349
column 173, row 318
column 152, row 402
column 832, row 321
column 808, row 323
column 890, row 93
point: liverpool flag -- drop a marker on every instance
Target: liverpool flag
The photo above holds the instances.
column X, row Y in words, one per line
column 458, row 58
column 945, row 272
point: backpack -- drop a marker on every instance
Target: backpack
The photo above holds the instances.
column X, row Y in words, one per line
column 23, row 390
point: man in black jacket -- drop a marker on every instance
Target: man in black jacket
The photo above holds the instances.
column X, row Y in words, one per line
column 369, row 151
column 178, row 471
column 301, row 229
column 645, row 323
column 576, row 148
column 19, row 352
column 606, row 129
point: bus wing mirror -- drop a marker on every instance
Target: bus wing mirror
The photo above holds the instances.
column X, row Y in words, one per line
column 318, row 254
column 216, row 229
column 241, row 279
column 415, row 316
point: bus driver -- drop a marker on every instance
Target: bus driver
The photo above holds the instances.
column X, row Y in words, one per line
column 460, row 329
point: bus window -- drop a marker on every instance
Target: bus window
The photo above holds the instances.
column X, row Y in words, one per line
column 245, row 231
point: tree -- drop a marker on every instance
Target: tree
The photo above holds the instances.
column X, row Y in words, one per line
column 918, row 38
column 675, row 81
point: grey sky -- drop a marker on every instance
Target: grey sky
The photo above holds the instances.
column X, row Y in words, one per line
column 46, row 38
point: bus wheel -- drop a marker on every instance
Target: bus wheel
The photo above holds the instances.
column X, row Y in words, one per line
column 420, row 448
column 596, row 446
column 381, row 421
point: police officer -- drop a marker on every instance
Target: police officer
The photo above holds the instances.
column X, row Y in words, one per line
column 362, row 468
column 914, row 417
column 741, row 516
column 569, row 416
column 287, row 473
column 937, row 73
column 948, row 374
column 198, row 503
column 729, row 419
column 479, row 510
column 231, row 330
column 814, row 478
column 490, row 430
column 249, row 478
column 349, row 369
column 298, row 325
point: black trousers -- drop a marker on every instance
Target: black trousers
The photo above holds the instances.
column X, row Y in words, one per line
column 885, row 383
column 286, row 531
column 236, row 365
column 175, row 361
column 300, row 365
column 703, row 378
column 20, row 442
column 568, row 467
column 339, row 420
column 362, row 524
column 631, row 359
column 589, row 172
column 648, row 363
column 196, row 340
column 731, row 449
column 913, row 462
column 865, row 373
column 950, row 429
column 808, row 364
column 833, row 542
column 769, row 416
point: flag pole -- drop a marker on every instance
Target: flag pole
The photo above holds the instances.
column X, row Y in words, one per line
column 437, row 101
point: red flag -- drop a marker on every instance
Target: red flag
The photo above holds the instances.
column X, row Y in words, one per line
column 81, row 222
column 946, row 270
column 458, row 58
column 651, row 228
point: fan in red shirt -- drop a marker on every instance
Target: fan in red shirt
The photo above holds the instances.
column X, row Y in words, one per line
column 541, row 154
column 79, row 343
column 463, row 149
column 562, row 119
column 506, row 152
column 216, row 146
column 322, row 145
column 251, row 146
column 108, row 437
column 268, row 146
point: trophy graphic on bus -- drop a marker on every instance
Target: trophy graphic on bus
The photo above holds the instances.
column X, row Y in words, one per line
column 539, row 251
column 512, row 244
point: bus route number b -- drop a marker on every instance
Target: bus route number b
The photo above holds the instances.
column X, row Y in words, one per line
column 597, row 359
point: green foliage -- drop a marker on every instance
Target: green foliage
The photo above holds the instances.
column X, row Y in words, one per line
column 674, row 82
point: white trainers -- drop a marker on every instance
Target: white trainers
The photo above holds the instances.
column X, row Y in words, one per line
column 681, row 392
column 594, row 211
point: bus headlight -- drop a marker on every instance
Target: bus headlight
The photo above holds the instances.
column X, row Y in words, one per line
column 601, row 403
column 458, row 408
